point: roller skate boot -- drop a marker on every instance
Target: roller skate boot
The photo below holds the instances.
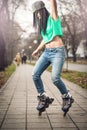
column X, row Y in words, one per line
column 67, row 103
column 43, row 103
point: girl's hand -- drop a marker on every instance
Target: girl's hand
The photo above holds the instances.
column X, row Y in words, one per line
column 35, row 53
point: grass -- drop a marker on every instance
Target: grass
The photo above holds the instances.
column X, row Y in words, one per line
column 79, row 78
column 4, row 75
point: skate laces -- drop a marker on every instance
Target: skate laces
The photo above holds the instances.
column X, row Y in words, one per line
column 67, row 96
column 67, row 100
column 42, row 96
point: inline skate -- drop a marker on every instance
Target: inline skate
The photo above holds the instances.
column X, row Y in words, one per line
column 67, row 103
column 44, row 102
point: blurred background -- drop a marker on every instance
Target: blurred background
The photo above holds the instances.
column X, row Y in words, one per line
column 18, row 35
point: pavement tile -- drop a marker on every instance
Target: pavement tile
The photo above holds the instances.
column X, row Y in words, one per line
column 18, row 102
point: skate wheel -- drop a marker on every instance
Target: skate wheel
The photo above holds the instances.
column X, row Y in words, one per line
column 40, row 113
column 52, row 99
column 65, row 112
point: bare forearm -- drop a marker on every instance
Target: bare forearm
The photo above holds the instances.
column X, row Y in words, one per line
column 41, row 46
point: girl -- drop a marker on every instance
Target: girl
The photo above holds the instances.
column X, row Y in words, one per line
column 49, row 26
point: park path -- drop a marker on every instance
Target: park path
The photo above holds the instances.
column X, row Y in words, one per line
column 18, row 104
column 76, row 67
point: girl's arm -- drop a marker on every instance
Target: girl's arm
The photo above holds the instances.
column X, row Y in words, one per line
column 39, row 48
column 54, row 9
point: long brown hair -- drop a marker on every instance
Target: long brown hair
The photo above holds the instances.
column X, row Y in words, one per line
column 41, row 24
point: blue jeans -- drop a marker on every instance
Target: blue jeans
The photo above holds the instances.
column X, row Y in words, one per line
column 55, row 57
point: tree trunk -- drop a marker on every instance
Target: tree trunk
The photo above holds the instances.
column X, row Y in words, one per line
column 2, row 53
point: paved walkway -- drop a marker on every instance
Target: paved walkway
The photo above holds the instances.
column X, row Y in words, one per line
column 76, row 67
column 18, row 105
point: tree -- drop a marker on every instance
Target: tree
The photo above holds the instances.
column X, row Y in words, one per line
column 4, row 17
column 83, row 17
column 8, row 30
column 70, row 17
column 2, row 52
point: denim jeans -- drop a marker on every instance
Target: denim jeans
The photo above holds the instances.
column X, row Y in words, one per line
column 55, row 57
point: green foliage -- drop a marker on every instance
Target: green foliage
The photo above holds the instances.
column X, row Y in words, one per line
column 4, row 75
column 10, row 69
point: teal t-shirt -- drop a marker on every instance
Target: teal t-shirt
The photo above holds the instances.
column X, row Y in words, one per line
column 53, row 29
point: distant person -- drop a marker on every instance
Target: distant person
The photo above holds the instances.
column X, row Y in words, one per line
column 49, row 26
column 24, row 58
column 18, row 58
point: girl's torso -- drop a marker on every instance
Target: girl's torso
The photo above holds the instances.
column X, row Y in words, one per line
column 56, row 42
column 53, row 34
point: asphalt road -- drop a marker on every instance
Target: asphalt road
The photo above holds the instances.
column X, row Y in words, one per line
column 76, row 67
